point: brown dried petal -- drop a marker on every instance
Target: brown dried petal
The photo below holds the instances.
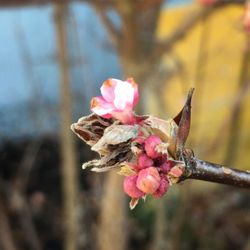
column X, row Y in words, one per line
column 165, row 129
column 121, row 153
column 114, row 135
column 91, row 128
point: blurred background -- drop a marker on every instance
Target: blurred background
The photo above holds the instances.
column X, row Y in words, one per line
column 54, row 56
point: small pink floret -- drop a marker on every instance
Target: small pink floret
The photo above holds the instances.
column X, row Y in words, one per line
column 144, row 161
column 150, row 143
column 166, row 166
column 118, row 100
column 148, row 180
column 176, row 171
column 130, row 188
column 162, row 188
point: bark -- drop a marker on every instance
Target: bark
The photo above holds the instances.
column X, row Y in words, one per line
column 207, row 171
column 69, row 173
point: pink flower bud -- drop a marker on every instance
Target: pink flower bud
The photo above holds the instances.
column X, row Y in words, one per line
column 150, row 143
column 144, row 161
column 176, row 171
column 166, row 166
column 130, row 188
column 117, row 100
column 148, row 180
column 162, row 188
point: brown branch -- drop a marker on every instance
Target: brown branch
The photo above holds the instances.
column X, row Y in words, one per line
column 113, row 33
column 188, row 23
column 236, row 117
column 6, row 237
column 22, row 3
column 207, row 171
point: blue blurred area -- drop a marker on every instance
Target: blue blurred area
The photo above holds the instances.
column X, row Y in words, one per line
column 29, row 79
column 29, row 90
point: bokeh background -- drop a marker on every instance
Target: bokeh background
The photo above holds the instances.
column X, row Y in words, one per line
column 54, row 56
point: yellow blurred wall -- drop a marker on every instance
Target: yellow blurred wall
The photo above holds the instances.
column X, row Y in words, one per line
column 211, row 54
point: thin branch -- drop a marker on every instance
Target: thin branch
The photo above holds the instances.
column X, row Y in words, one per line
column 19, row 3
column 6, row 237
column 207, row 171
column 188, row 23
column 236, row 118
column 114, row 34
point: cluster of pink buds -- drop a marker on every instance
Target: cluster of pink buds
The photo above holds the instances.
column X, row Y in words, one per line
column 150, row 171
column 144, row 147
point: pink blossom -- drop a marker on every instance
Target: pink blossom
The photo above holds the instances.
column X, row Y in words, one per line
column 162, row 188
column 118, row 100
column 144, row 161
column 246, row 18
column 150, row 143
column 148, row 180
column 130, row 188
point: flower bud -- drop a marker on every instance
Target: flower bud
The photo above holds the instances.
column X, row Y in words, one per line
column 144, row 161
column 148, row 180
column 130, row 188
column 162, row 188
column 150, row 143
column 166, row 166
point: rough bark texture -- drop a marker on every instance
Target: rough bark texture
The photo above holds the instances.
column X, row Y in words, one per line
column 69, row 175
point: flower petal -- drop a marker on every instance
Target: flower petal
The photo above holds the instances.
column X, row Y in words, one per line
column 124, row 95
column 136, row 91
column 108, row 88
column 102, row 108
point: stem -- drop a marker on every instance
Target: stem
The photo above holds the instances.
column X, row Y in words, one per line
column 207, row 171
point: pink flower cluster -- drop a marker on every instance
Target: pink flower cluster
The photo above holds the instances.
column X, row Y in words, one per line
column 150, row 171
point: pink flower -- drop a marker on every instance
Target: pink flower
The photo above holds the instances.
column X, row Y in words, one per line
column 162, row 188
column 130, row 188
column 150, row 143
column 144, row 161
column 246, row 18
column 148, row 180
column 118, row 100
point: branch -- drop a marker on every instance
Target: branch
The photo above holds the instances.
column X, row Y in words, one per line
column 188, row 23
column 207, row 171
column 22, row 3
column 114, row 34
